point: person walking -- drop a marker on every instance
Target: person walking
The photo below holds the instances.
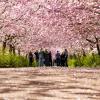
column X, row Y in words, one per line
column 58, row 58
column 46, row 57
column 30, row 56
column 63, row 57
column 50, row 58
column 66, row 57
column 41, row 57
column 37, row 57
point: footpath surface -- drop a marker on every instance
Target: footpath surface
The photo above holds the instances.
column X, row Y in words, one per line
column 49, row 84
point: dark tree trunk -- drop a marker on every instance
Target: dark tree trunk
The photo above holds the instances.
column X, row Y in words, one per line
column 97, row 45
column 96, row 42
column 3, row 46
column 19, row 52
column 10, row 48
column 83, row 52
column 98, row 48
column 13, row 50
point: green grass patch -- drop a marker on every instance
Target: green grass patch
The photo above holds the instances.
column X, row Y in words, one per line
column 85, row 61
column 9, row 60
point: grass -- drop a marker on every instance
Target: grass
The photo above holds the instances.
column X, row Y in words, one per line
column 10, row 60
column 84, row 61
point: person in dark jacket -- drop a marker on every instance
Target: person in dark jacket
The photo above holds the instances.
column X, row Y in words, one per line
column 41, row 57
column 66, row 57
column 30, row 56
column 58, row 58
column 46, row 57
column 50, row 58
column 37, row 57
column 63, row 57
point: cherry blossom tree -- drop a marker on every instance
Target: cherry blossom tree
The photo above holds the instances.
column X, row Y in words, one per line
column 50, row 24
column 88, row 25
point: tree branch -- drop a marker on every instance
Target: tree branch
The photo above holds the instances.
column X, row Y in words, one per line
column 90, row 41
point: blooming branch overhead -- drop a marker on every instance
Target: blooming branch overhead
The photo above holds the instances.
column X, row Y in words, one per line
column 50, row 23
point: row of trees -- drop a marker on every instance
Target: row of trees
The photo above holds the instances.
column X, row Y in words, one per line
column 10, row 42
column 30, row 24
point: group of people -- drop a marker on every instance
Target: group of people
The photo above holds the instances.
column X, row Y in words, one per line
column 44, row 58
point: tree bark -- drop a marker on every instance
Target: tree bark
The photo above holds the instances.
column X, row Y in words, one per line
column 3, row 46
column 13, row 50
column 10, row 48
column 97, row 45
column 98, row 48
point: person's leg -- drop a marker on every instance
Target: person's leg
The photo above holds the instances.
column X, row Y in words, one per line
column 53, row 62
column 40, row 62
column 63, row 63
column 30, row 62
column 66, row 62
column 50, row 62
column 46, row 63
column 37, row 62
column 57, row 62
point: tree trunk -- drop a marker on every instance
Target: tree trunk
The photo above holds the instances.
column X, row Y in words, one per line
column 97, row 45
column 98, row 48
column 96, row 42
column 13, row 49
column 19, row 52
column 3, row 46
column 10, row 48
column 83, row 52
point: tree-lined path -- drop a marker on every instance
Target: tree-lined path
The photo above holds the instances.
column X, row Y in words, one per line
column 49, row 84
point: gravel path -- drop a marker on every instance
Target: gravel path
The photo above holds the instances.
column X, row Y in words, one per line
column 49, row 84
